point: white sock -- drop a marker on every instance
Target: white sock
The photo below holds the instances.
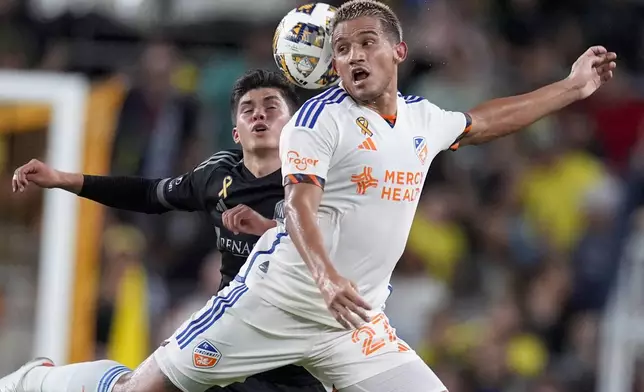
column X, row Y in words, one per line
column 98, row 376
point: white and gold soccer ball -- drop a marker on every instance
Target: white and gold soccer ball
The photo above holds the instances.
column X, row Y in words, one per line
column 302, row 46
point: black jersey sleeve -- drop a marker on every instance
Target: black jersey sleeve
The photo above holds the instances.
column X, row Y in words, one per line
column 156, row 196
column 123, row 192
column 188, row 192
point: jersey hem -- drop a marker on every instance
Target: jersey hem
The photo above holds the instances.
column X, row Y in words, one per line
column 468, row 127
column 303, row 178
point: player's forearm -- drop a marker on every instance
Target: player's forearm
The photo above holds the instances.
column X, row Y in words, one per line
column 125, row 193
column 70, row 182
column 302, row 227
column 500, row 117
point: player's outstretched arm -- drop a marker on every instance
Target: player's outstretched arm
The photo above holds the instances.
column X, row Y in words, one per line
column 127, row 193
column 500, row 117
column 121, row 192
column 341, row 295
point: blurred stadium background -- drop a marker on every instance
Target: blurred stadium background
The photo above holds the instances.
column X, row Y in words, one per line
column 525, row 267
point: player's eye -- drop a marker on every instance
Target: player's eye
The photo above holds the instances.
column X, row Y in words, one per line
column 368, row 42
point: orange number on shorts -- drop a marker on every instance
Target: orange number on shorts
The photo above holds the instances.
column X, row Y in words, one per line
column 371, row 343
column 402, row 347
column 385, row 323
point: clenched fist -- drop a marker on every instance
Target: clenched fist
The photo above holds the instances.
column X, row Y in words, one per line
column 35, row 172
column 44, row 176
column 243, row 219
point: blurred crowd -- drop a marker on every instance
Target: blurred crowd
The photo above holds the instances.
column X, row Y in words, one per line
column 516, row 246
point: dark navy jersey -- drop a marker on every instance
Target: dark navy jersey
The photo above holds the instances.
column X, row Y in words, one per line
column 219, row 183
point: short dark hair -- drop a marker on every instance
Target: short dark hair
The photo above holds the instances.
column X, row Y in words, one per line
column 355, row 9
column 261, row 78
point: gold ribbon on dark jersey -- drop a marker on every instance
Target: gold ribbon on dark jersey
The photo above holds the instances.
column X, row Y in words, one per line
column 223, row 193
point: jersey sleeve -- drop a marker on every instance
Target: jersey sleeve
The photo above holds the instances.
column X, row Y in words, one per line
column 188, row 192
column 306, row 153
column 447, row 128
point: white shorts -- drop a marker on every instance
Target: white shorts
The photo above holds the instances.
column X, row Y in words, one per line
column 238, row 334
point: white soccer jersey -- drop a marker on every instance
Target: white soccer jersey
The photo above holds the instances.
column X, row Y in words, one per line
column 372, row 174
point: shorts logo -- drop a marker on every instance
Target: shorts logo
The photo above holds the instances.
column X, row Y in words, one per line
column 264, row 266
column 420, row 146
column 205, row 355
column 300, row 163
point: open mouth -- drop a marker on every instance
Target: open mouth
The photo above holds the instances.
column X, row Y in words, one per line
column 359, row 75
column 259, row 128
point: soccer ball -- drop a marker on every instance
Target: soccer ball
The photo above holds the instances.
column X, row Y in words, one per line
column 302, row 46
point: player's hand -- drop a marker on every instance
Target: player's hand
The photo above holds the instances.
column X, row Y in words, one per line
column 243, row 219
column 35, row 172
column 344, row 302
column 592, row 69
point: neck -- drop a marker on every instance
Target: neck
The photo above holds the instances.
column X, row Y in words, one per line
column 262, row 165
column 387, row 103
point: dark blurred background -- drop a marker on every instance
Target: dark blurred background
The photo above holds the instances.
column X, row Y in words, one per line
column 522, row 271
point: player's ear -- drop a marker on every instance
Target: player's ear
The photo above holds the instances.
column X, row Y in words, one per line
column 400, row 52
column 235, row 135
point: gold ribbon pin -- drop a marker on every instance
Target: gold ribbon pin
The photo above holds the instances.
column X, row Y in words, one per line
column 364, row 126
column 223, row 193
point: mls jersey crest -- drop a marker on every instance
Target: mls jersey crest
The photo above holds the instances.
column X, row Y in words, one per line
column 420, row 147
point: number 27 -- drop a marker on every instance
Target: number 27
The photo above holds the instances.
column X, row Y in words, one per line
column 370, row 342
